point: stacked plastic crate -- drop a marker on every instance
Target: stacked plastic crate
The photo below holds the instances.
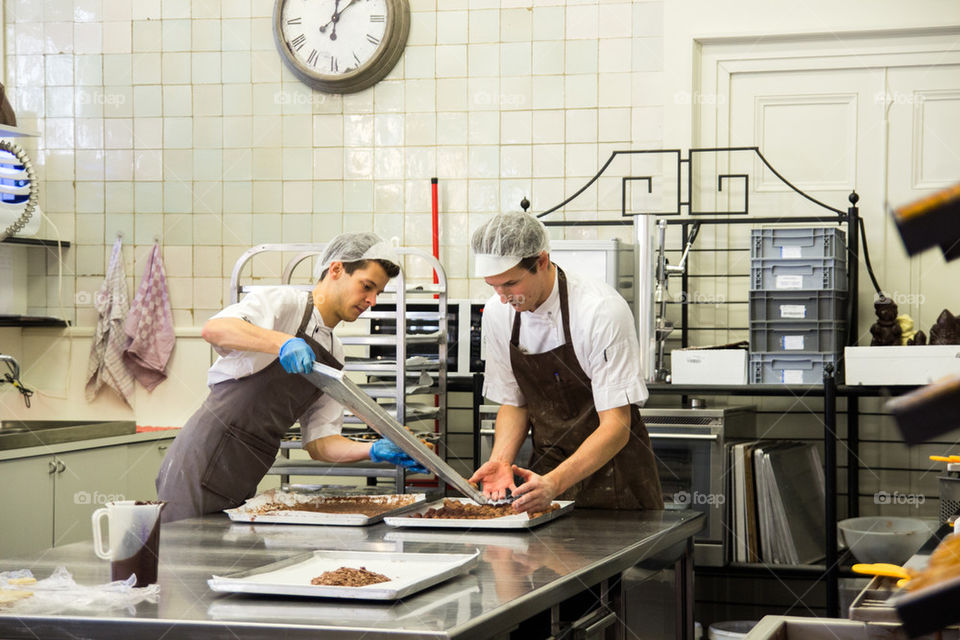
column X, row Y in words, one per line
column 798, row 303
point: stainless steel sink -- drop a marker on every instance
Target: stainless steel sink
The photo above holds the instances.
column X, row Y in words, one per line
column 15, row 434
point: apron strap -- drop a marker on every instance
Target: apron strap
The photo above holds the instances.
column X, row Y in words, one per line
column 306, row 313
column 564, row 313
column 564, row 306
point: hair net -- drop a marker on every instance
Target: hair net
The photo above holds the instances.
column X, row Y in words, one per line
column 506, row 239
column 352, row 247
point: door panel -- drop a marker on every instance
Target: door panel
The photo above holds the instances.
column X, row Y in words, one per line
column 86, row 480
column 821, row 130
column 143, row 463
column 27, row 504
column 924, row 156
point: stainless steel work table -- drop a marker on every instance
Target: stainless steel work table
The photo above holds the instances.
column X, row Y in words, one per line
column 521, row 573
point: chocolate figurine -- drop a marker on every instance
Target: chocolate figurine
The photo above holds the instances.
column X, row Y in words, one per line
column 886, row 330
column 946, row 330
column 920, row 338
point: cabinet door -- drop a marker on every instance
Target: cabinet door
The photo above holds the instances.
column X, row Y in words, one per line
column 85, row 480
column 26, row 502
column 143, row 463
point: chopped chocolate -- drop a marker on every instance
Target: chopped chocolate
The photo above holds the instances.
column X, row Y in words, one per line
column 349, row 577
column 365, row 505
column 454, row 509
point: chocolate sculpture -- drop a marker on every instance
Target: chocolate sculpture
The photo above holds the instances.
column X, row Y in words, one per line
column 946, row 330
column 886, row 330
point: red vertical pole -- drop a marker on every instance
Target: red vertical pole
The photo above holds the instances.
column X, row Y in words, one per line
column 436, row 224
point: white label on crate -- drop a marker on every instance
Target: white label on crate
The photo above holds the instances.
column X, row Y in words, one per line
column 792, row 343
column 789, row 282
column 791, row 252
column 793, row 311
column 791, row 376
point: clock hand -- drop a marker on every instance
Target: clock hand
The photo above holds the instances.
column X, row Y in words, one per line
column 333, row 18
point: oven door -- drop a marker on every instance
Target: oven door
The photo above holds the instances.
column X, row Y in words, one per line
column 690, row 462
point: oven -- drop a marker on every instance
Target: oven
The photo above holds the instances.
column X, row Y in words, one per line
column 691, row 450
column 463, row 333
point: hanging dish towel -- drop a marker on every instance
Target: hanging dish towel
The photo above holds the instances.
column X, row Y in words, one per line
column 150, row 326
column 106, row 352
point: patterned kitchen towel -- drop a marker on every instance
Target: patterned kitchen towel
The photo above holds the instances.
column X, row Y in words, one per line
column 150, row 326
column 106, row 352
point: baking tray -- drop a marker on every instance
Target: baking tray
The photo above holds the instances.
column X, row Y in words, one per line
column 452, row 598
column 247, row 511
column 512, row 540
column 408, row 573
column 334, row 383
column 519, row 521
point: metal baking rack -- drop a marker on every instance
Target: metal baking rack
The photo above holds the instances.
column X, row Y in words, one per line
column 412, row 389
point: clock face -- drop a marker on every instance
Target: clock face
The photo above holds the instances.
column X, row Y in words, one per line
column 341, row 45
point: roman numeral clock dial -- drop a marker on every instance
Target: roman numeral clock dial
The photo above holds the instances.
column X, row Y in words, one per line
column 341, row 46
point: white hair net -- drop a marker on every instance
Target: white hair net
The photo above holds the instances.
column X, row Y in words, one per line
column 503, row 241
column 352, row 247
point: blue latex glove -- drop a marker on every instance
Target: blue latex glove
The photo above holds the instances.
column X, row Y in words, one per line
column 296, row 356
column 385, row 451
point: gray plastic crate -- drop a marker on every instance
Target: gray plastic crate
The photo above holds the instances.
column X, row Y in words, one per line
column 821, row 274
column 797, row 243
column 813, row 306
column 786, row 368
column 797, row 337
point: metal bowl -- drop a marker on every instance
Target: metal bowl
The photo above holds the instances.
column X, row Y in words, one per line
column 883, row 538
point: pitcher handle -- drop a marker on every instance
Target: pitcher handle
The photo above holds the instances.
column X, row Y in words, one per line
column 97, row 536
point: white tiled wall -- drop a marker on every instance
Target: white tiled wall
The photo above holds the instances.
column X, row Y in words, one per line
column 176, row 120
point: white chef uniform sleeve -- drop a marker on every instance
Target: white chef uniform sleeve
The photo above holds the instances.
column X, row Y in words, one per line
column 263, row 308
column 499, row 383
column 616, row 368
column 321, row 419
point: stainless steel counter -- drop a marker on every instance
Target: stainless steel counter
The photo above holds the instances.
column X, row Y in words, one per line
column 520, row 574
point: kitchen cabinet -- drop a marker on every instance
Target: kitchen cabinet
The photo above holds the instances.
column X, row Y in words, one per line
column 26, row 504
column 83, row 482
column 47, row 500
column 143, row 463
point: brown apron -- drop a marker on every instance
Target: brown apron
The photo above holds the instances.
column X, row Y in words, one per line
column 562, row 415
column 227, row 446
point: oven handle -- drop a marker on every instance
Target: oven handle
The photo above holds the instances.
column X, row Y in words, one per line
column 684, row 436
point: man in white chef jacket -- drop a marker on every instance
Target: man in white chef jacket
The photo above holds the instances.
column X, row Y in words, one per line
column 562, row 358
column 264, row 341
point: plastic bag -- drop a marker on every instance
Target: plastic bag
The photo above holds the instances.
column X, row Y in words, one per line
column 60, row 592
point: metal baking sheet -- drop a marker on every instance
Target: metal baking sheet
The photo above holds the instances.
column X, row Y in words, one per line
column 247, row 512
column 408, row 573
column 519, row 521
column 454, row 597
column 346, row 392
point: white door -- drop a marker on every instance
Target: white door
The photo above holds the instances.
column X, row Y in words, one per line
column 822, row 131
column 923, row 157
column 882, row 121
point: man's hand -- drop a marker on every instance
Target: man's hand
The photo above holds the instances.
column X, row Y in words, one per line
column 496, row 477
column 536, row 493
column 296, row 356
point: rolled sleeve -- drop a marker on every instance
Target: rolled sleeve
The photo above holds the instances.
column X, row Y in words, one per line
column 265, row 308
column 499, row 383
column 323, row 418
column 616, row 364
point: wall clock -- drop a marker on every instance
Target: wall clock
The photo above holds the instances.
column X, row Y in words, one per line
column 341, row 46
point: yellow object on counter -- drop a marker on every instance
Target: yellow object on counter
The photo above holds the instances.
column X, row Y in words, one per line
column 881, row 569
column 907, row 330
